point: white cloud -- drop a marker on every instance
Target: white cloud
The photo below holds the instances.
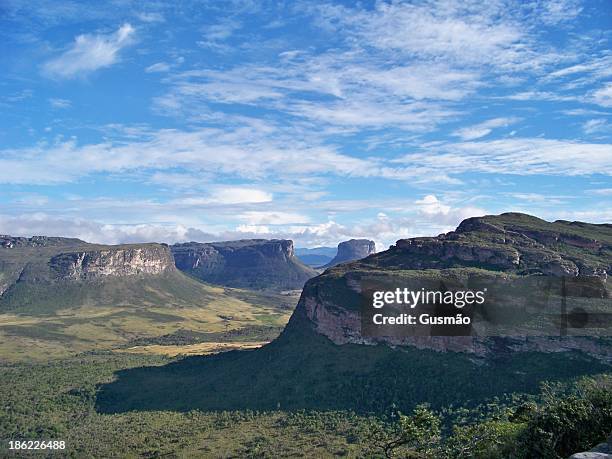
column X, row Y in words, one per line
column 598, row 215
column 555, row 11
column 216, row 34
column 89, row 53
column 537, row 198
column 256, row 153
column 60, row 103
column 244, row 151
column 602, row 191
column 520, row 156
column 441, row 214
column 227, row 196
column 351, row 89
column 158, row 67
column 430, row 205
column 468, row 33
column 592, row 68
column 151, row 17
column 400, row 65
column 595, row 125
column 273, row 218
column 372, row 113
column 253, row 229
column 603, row 96
column 240, row 196
column 543, row 95
column 222, row 30
column 483, row 129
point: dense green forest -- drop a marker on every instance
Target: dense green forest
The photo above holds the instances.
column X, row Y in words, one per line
column 56, row 401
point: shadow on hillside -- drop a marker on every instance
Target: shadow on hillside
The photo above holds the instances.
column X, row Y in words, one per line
column 303, row 370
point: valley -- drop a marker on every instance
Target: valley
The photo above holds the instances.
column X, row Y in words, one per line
column 122, row 339
column 220, row 315
column 63, row 296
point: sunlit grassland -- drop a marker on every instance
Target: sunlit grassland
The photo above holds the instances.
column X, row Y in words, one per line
column 68, row 331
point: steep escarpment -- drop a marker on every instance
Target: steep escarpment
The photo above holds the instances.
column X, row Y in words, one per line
column 116, row 261
column 354, row 249
column 500, row 250
column 46, row 274
column 252, row 263
column 323, row 360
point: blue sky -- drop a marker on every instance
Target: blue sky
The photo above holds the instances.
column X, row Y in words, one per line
column 316, row 121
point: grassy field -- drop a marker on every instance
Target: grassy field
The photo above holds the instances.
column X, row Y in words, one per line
column 193, row 349
column 219, row 315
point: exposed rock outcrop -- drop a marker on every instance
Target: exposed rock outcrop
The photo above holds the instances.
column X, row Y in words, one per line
column 511, row 242
column 601, row 451
column 116, row 261
column 47, row 273
column 354, row 249
column 508, row 245
column 251, row 263
column 9, row 242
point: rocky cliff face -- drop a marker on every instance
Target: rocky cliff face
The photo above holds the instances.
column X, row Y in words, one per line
column 44, row 260
column 506, row 245
column 252, row 263
column 355, row 249
column 116, row 261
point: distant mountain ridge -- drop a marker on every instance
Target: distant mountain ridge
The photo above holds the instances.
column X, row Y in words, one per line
column 249, row 263
column 317, row 256
column 9, row 242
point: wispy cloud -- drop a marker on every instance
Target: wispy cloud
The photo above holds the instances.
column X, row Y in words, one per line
column 596, row 125
column 158, row 67
column 60, row 103
column 465, row 33
column 531, row 96
column 603, row 96
column 226, row 196
column 519, row 156
column 215, row 35
column 151, row 17
column 483, row 129
column 556, row 11
column 243, row 152
column 89, row 53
